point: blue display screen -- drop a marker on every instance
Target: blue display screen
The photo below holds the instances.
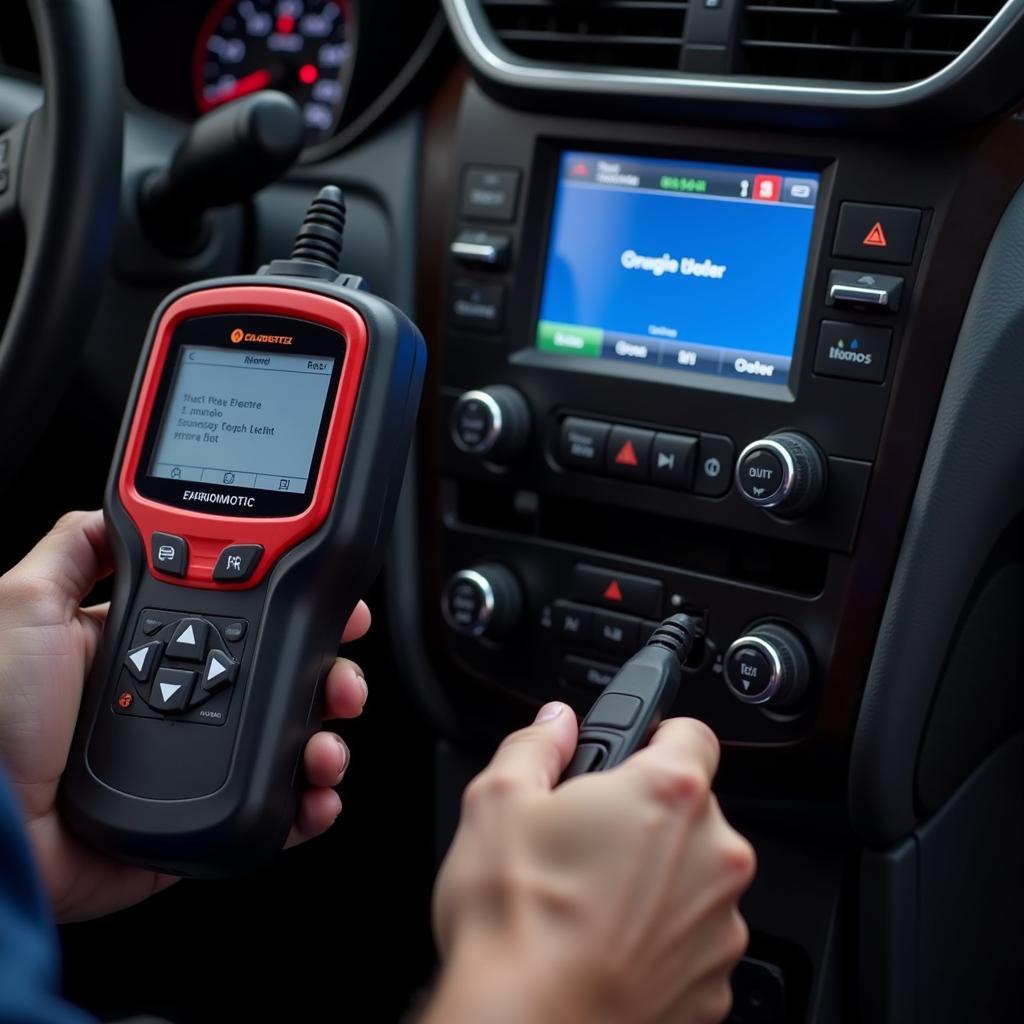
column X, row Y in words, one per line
column 693, row 268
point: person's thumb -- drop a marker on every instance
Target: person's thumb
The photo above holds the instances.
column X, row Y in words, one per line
column 72, row 557
column 537, row 755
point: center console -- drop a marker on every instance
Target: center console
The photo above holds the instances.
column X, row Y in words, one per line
column 668, row 360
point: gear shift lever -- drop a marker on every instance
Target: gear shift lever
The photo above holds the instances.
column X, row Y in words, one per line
column 227, row 156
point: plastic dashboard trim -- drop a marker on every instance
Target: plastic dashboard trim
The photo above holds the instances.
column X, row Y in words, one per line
column 969, row 489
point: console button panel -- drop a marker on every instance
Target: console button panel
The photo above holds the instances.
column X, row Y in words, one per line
column 187, row 672
column 692, row 463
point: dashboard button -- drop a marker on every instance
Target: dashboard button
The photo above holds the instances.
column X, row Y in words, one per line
column 572, row 621
column 629, row 453
column 881, row 234
column 478, row 307
column 770, row 664
column 485, row 249
column 618, row 633
column 484, row 600
column 750, row 672
column 672, row 459
column 761, row 474
column 713, row 470
column 490, row 193
column 853, row 351
column 880, row 292
column 169, row 553
column 582, row 444
column 584, row 672
column 619, row 590
column 237, row 563
column 491, row 423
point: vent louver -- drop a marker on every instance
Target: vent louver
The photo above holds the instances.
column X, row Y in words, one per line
column 627, row 34
column 813, row 39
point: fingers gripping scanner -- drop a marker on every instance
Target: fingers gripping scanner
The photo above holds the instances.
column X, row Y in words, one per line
column 249, row 503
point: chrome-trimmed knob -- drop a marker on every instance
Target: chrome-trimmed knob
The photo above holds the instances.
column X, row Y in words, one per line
column 784, row 473
column 768, row 665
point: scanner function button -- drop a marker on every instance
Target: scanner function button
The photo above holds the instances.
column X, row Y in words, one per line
column 169, row 553
column 171, row 689
column 189, row 640
column 236, row 563
column 153, row 622
column 234, row 631
column 220, row 671
column 140, row 660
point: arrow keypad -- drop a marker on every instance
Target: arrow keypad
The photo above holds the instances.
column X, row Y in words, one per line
column 186, row 669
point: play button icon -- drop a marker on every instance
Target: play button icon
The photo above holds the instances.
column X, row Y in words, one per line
column 220, row 670
column 674, row 456
column 140, row 661
column 171, row 689
column 189, row 640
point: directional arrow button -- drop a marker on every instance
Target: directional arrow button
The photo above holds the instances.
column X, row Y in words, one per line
column 171, row 689
column 140, row 661
column 189, row 640
column 220, row 671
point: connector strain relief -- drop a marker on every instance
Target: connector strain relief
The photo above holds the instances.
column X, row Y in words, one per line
column 321, row 237
column 678, row 634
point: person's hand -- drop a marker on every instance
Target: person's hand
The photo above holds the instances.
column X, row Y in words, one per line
column 47, row 644
column 612, row 898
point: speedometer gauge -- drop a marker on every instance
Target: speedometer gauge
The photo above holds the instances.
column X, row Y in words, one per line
column 302, row 47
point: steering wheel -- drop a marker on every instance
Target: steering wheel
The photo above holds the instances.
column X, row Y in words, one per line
column 60, row 183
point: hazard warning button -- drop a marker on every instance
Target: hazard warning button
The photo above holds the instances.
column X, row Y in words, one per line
column 880, row 234
column 629, row 453
column 621, row 591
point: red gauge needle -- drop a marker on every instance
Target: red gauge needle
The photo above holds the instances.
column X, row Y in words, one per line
column 243, row 86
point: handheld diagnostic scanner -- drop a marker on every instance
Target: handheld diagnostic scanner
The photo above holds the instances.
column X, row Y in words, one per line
column 249, row 502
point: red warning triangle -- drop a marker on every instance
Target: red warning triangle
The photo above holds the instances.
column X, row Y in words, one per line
column 627, row 455
column 876, row 236
column 613, row 592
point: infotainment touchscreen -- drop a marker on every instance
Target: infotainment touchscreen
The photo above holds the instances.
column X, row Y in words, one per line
column 689, row 268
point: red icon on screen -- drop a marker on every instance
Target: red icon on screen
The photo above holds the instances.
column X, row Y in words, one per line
column 627, row 455
column 767, row 187
column 579, row 170
column 613, row 592
column 876, row 236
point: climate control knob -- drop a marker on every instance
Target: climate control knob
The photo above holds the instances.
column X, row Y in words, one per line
column 483, row 601
column 769, row 665
column 784, row 473
column 492, row 423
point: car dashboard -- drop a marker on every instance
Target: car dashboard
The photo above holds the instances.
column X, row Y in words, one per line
column 723, row 301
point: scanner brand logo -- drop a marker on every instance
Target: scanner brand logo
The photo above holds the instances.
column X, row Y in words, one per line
column 238, row 335
column 220, row 499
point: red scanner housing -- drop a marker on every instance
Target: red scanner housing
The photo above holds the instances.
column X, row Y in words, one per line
column 208, row 533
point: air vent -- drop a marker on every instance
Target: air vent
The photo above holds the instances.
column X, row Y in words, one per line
column 627, row 34
column 850, row 42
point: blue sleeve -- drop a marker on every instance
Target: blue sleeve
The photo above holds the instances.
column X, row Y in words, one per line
column 29, row 953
